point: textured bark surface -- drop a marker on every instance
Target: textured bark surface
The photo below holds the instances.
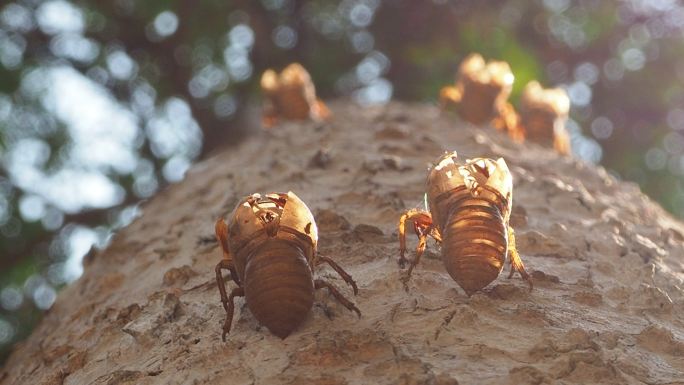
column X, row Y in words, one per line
column 608, row 265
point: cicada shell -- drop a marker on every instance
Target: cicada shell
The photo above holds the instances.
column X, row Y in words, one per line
column 480, row 87
column 469, row 209
column 543, row 113
column 269, row 246
column 290, row 95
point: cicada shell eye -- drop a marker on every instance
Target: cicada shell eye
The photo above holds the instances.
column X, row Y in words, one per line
column 297, row 216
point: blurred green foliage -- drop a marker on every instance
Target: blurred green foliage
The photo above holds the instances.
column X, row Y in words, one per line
column 104, row 102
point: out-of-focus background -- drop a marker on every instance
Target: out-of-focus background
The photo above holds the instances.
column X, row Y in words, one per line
column 102, row 103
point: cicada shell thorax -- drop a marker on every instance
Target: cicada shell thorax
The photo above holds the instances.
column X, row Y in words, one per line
column 543, row 113
column 291, row 95
column 273, row 241
column 480, row 88
column 471, row 204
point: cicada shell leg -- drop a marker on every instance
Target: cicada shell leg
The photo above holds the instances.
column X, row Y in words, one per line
column 227, row 301
column 320, row 284
column 221, row 229
column 515, row 261
column 345, row 276
column 420, row 249
column 230, row 308
column 423, row 226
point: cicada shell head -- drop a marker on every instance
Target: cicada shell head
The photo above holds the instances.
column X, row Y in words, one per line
column 267, row 215
column 473, row 64
column 295, row 75
column 246, row 221
column 499, row 74
column 554, row 100
column 449, row 174
column 297, row 216
column 491, row 174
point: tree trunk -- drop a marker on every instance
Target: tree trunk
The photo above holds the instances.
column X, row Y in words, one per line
column 606, row 262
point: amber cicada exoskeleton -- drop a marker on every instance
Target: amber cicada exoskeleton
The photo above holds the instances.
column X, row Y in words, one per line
column 470, row 205
column 480, row 89
column 290, row 96
column 543, row 113
column 269, row 247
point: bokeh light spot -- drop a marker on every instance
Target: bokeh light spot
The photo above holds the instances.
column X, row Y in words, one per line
column 17, row 17
column 225, row 106
column 284, row 36
column 655, row 158
column 79, row 240
column 7, row 331
column 361, row 15
column 362, row 41
column 11, row 298
column 633, row 59
column 31, row 207
column 579, row 94
column 241, row 36
column 59, row 16
column 44, row 296
column 587, row 73
column 120, row 65
column 166, row 23
column 613, row 69
column 174, row 169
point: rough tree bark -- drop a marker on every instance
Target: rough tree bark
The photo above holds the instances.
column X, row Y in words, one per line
column 606, row 261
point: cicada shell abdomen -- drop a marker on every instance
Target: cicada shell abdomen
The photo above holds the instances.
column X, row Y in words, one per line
column 475, row 240
column 471, row 204
column 279, row 286
column 275, row 238
column 543, row 113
